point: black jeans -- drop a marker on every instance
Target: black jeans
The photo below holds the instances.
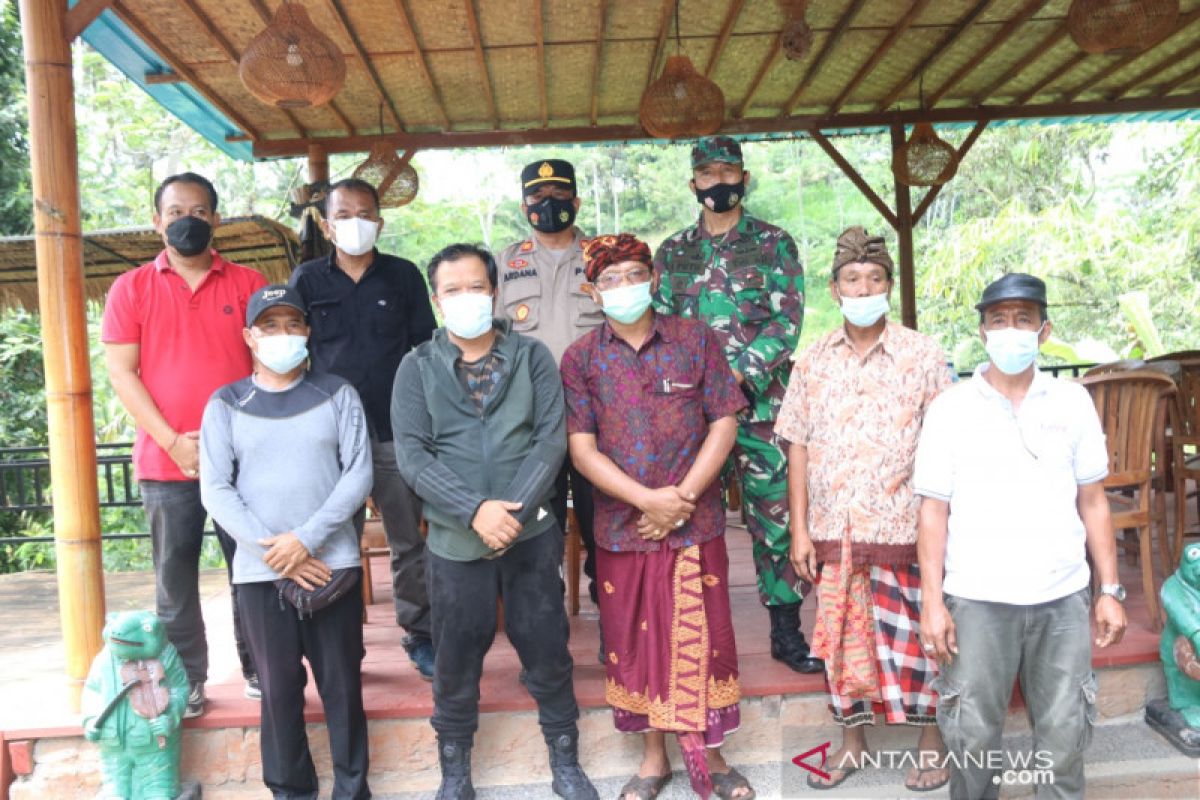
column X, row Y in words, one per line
column 176, row 519
column 585, row 513
column 331, row 639
column 463, row 595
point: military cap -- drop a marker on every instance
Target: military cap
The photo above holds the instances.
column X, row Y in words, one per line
column 716, row 148
column 552, row 170
column 1013, row 286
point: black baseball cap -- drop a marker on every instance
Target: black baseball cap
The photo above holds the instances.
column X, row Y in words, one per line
column 1013, row 286
column 277, row 294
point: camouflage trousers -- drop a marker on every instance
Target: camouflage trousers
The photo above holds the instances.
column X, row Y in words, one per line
column 762, row 471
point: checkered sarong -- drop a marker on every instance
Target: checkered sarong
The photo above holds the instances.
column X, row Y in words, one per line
column 903, row 670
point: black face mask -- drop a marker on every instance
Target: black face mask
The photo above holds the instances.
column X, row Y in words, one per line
column 722, row 197
column 189, row 235
column 552, row 215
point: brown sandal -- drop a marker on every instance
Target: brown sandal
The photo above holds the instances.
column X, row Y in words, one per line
column 726, row 783
column 646, row 788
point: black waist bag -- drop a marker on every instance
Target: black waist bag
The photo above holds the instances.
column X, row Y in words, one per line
column 306, row 602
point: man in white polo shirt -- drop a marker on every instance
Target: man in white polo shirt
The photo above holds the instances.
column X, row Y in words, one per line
column 1010, row 467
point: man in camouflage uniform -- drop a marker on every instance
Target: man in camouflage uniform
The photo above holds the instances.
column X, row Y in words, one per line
column 742, row 276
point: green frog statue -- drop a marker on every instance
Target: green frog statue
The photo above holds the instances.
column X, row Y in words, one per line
column 133, row 703
column 1178, row 716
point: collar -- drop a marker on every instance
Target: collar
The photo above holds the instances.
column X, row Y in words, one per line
column 331, row 261
column 660, row 326
column 1041, row 384
column 162, row 262
column 744, row 224
column 532, row 244
column 883, row 343
column 505, row 345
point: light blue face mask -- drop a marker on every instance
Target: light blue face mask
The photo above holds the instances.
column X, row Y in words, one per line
column 864, row 312
column 282, row 353
column 626, row 304
column 1012, row 350
column 467, row 315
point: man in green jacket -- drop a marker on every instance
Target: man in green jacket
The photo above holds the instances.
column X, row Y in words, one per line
column 479, row 426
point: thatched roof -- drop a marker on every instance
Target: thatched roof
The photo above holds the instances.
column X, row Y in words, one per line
column 264, row 244
column 490, row 72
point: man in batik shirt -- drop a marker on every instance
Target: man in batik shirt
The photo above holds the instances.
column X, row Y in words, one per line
column 741, row 276
column 852, row 415
column 650, row 415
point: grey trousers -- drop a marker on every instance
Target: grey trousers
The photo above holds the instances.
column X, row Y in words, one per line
column 1048, row 646
column 401, row 509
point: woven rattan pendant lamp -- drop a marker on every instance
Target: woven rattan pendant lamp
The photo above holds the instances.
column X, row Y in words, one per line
column 925, row 159
column 1120, row 26
column 681, row 102
column 797, row 36
column 291, row 64
column 393, row 177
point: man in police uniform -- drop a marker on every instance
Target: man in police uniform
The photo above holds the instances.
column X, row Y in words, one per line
column 742, row 276
column 540, row 291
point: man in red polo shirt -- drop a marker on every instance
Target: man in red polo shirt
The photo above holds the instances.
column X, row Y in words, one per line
column 173, row 335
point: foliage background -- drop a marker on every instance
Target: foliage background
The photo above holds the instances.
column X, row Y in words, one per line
column 1096, row 210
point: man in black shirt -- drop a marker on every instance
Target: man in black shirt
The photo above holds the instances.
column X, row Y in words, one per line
column 366, row 310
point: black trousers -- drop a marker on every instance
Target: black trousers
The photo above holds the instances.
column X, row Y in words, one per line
column 331, row 639
column 463, row 595
column 585, row 512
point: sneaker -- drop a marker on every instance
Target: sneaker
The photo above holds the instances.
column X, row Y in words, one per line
column 195, row 701
column 252, row 691
column 420, row 653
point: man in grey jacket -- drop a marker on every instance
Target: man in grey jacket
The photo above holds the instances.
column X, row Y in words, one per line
column 285, row 465
column 478, row 421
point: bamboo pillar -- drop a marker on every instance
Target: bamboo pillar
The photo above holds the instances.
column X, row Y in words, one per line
column 318, row 164
column 904, row 235
column 55, row 171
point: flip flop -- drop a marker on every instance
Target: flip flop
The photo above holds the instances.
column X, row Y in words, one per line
column 646, row 788
column 846, row 773
column 726, row 783
column 921, row 771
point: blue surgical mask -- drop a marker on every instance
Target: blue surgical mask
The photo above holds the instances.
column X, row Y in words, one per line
column 1012, row 350
column 626, row 304
column 467, row 315
column 282, row 353
column 864, row 311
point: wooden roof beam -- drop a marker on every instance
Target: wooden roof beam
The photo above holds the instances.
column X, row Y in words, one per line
column 1024, row 62
column 866, row 69
column 850, row 172
column 156, row 44
column 664, row 27
column 1054, row 75
column 735, row 10
column 763, row 69
column 83, row 13
column 1002, row 36
column 481, row 62
column 601, row 24
column 1175, row 83
column 348, row 29
column 827, row 48
column 947, row 41
column 540, row 38
column 1124, row 61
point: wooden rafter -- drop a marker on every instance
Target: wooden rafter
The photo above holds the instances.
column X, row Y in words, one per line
column 963, row 149
column 851, row 173
column 1124, row 61
column 945, row 44
column 348, row 29
column 1175, row 83
column 540, row 38
column 481, row 62
column 763, row 69
column 279, row 148
column 154, row 43
column 664, row 27
column 601, row 16
column 866, row 69
column 1021, row 64
column 1003, row 35
column 827, row 49
column 222, row 43
column 83, row 13
column 1054, row 75
column 731, row 17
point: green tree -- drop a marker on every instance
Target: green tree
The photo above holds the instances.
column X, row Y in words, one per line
column 16, row 210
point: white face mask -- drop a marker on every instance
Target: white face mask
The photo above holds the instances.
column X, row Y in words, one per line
column 355, row 236
column 1012, row 350
column 282, row 353
column 467, row 315
column 864, row 312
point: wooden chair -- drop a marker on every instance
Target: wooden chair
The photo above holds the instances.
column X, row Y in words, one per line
column 574, row 554
column 1178, row 355
column 1124, row 365
column 1130, row 408
column 1185, row 438
column 373, row 543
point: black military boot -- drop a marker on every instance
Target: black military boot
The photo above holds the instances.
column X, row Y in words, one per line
column 569, row 779
column 455, row 760
column 787, row 640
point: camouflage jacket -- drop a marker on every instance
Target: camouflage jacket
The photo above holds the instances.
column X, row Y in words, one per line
column 749, row 286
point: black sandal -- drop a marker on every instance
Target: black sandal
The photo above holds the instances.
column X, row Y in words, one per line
column 726, row 783
column 646, row 788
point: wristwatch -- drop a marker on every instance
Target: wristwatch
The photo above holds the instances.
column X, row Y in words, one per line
column 1113, row 590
